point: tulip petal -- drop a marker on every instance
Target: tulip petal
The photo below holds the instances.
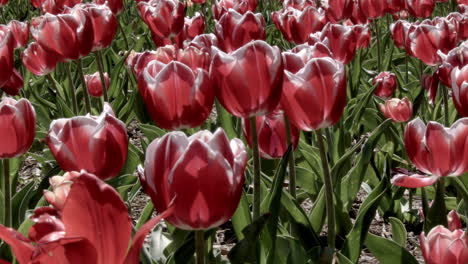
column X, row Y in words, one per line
column 21, row 246
column 414, row 180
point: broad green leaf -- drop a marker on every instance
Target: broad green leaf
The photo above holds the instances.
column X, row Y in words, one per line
column 388, row 251
column 398, row 231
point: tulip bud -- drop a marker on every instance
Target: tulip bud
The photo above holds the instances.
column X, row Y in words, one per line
column 442, row 246
column 453, row 220
column 271, row 133
column 60, row 188
column 94, row 84
column 202, row 177
column 17, row 137
column 397, row 110
column 97, row 144
column 386, row 83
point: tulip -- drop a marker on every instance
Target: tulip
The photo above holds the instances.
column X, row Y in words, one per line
column 457, row 57
column 397, row 110
column 20, row 31
column 420, row 8
column 399, row 32
column 295, row 59
column 165, row 18
column 386, row 83
column 395, row 6
column 3, row 2
column 54, row 6
column 202, row 176
column 373, row 8
column 459, row 89
column 357, row 15
column 115, row 5
column 315, row 96
column 299, row 4
column 38, row 60
column 97, row 144
column 271, row 133
column 258, row 65
column 460, row 22
column 234, row 30
column 7, row 44
column 442, row 245
column 93, row 217
column 431, row 84
column 337, row 10
column 14, row 84
column 18, row 136
column 60, row 188
column 241, row 6
column 193, row 27
column 203, row 42
column 296, row 25
column 94, row 84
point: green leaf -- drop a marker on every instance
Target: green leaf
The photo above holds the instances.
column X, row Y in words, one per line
column 398, row 231
column 225, row 120
column 20, row 203
column 241, row 217
column 388, row 251
column 145, row 215
column 152, row 132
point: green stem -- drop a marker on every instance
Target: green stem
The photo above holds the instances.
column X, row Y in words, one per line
column 256, row 163
column 328, row 190
column 7, row 192
column 200, row 246
column 127, row 47
column 379, row 55
column 445, row 102
column 87, row 100
column 292, row 167
column 425, row 202
column 72, row 89
column 101, row 75
column 406, row 68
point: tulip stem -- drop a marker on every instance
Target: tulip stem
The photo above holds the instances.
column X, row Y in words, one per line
column 124, row 35
column 406, row 68
column 292, row 168
column 379, row 56
column 200, row 246
column 101, row 75
column 85, row 89
column 7, row 192
column 328, row 190
column 72, row 89
column 256, row 163
column 445, row 102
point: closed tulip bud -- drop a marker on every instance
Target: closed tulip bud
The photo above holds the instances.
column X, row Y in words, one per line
column 386, row 83
column 258, row 65
column 420, row 8
column 20, row 31
column 459, row 89
column 397, row 110
column 373, row 8
column 442, row 246
column 17, row 137
column 296, row 25
column 241, row 6
column 315, row 96
column 202, row 176
column 97, row 144
column 54, row 6
column 38, row 60
column 165, row 18
column 233, row 30
column 271, row 133
column 193, row 26
column 60, row 188
column 115, row 5
column 457, row 57
column 94, row 84
column 14, row 84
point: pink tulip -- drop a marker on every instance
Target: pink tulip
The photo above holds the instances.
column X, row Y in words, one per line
column 397, row 110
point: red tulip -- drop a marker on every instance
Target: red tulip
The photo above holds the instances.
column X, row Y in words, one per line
column 357, row 15
column 459, row 89
column 17, row 137
column 165, row 18
column 75, row 31
column 193, row 26
column 420, row 8
column 397, row 110
column 258, row 65
column 93, row 217
column 342, row 41
column 337, row 10
column 14, row 84
column 20, row 31
column 373, row 8
column 453, row 221
column 7, row 44
column 271, row 132
column 203, row 42
column 202, row 176
column 39, row 61
column 241, row 6
column 462, row 2
column 457, row 57
column 430, row 82
column 399, row 31
column 315, row 96
column 395, row 6
column 460, row 23
column 386, row 83
column 299, row 4
column 60, row 189
column 295, row 59
column 296, row 25
column 54, row 6
column 94, row 84
column 3, row 2
column 97, row 144
column 442, row 246
column 115, row 5
column 233, row 30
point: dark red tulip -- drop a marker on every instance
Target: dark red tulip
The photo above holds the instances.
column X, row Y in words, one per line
column 20, row 31
column 430, row 82
column 94, row 84
column 457, row 57
column 462, row 2
column 93, row 217
column 193, row 27
column 442, row 246
column 342, row 41
column 7, row 44
column 399, row 31
column 178, row 93
column 97, row 144
column 459, row 89
column 399, row 110
column 357, row 15
column 3, row 2
column 337, row 10
column 165, row 18
column 271, row 132
column 54, row 6
column 373, row 8
column 75, row 31
column 202, row 176
column 295, row 59
column 436, row 150
column 14, row 84
column 386, row 83
column 395, row 6
column 315, row 96
column 299, row 4
column 258, row 65
column 233, row 30
column 241, row 6
column 115, row 5
column 420, row 8
column 17, row 137
column 296, row 25
column 38, row 60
